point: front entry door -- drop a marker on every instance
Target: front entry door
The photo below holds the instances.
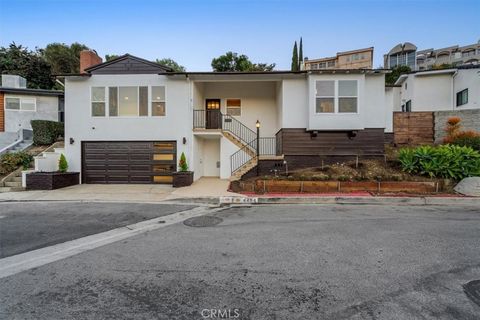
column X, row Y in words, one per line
column 213, row 118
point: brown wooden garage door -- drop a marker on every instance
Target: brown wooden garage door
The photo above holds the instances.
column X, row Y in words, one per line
column 128, row 161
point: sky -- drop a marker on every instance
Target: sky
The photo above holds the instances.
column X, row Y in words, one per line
column 193, row 32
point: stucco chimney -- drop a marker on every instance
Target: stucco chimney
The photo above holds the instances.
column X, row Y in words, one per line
column 88, row 58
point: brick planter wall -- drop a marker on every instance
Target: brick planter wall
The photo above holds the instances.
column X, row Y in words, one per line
column 182, row 179
column 51, row 180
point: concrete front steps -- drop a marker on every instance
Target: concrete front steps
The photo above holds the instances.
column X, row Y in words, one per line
column 48, row 159
column 12, row 182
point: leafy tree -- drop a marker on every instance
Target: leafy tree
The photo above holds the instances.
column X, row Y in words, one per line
column 109, row 57
column 171, row 64
column 233, row 62
column 63, row 58
column 300, row 53
column 31, row 65
column 397, row 71
column 294, row 66
column 442, row 66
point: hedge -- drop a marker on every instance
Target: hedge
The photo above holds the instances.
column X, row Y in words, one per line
column 46, row 132
column 12, row 160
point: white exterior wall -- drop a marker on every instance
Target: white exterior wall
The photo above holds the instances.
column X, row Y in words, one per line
column 392, row 103
column 227, row 148
column 432, row 93
column 468, row 78
column 81, row 126
column 46, row 109
column 295, row 103
column 258, row 101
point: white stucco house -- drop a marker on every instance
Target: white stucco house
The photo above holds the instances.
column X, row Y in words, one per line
column 128, row 120
column 19, row 105
column 437, row 90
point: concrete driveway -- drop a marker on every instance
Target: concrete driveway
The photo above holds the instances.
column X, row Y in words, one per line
column 204, row 187
column 270, row 262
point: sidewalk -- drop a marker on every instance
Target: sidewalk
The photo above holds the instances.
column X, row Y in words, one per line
column 202, row 188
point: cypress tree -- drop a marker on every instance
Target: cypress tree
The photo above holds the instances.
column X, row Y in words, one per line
column 295, row 58
column 300, row 54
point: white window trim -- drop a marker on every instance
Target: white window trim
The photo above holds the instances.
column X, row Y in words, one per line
column 20, row 102
column 240, row 107
column 336, row 97
column 151, row 100
column 107, row 101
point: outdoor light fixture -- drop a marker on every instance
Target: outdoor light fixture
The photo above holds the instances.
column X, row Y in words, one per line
column 257, row 124
column 72, row 141
column 352, row 134
column 184, row 140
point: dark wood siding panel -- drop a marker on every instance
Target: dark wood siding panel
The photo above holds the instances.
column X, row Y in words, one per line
column 123, row 162
column 301, row 142
column 129, row 66
column 413, row 128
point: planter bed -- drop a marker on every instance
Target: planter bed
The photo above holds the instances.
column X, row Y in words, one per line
column 182, row 179
column 282, row 186
column 51, row 180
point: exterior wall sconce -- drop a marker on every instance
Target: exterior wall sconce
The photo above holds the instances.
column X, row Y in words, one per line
column 257, row 124
column 184, row 140
column 72, row 141
column 352, row 134
column 313, row 134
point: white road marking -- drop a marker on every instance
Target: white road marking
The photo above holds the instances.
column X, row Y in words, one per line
column 36, row 258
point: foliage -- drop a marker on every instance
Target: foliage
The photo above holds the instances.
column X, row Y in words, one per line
column 182, row 164
column 109, row 57
column 233, row 62
column 12, row 160
column 445, row 161
column 295, row 66
column 46, row 132
column 171, row 64
column 31, row 65
column 467, row 138
column 391, row 78
column 62, row 164
column 63, row 58
column 442, row 66
column 300, row 53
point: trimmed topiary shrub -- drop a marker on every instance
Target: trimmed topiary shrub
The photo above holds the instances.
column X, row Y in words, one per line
column 445, row 161
column 182, row 164
column 62, row 164
column 46, row 132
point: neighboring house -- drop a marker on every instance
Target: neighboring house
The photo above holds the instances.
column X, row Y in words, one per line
column 407, row 55
column 128, row 120
column 438, row 90
column 354, row 59
column 19, row 104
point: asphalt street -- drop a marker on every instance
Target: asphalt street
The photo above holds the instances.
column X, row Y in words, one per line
column 270, row 262
column 26, row 226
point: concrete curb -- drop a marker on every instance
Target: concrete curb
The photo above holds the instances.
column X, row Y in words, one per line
column 412, row 201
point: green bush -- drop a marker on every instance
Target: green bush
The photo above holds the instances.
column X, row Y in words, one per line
column 445, row 161
column 182, row 164
column 46, row 132
column 62, row 164
column 12, row 160
column 468, row 141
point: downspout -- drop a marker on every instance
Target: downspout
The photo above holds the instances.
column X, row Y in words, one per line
column 453, row 89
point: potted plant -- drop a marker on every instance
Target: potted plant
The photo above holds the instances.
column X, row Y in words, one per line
column 53, row 180
column 183, row 177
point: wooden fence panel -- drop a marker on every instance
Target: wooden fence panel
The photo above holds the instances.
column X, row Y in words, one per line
column 413, row 128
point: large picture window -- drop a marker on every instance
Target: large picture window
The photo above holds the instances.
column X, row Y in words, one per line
column 98, row 101
column 20, row 104
column 336, row 96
